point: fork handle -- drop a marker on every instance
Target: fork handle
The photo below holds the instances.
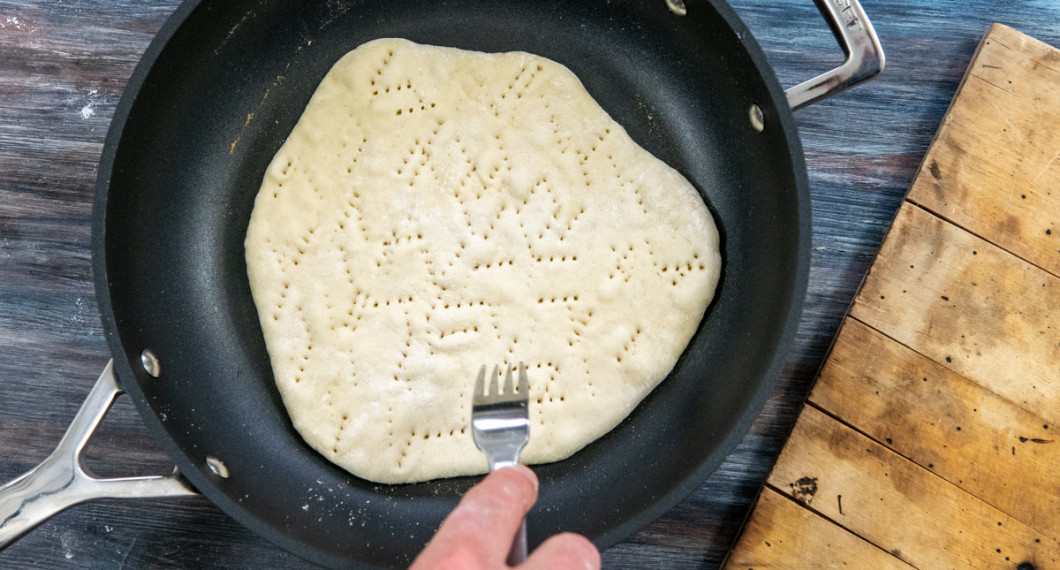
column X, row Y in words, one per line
column 517, row 555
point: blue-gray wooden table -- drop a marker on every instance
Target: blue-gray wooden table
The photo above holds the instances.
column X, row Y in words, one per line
column 63, row 66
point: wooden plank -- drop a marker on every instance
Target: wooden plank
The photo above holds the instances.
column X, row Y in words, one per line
column 781, row 534
column 899, row 506
column 930, row 430
column 971, row 437
column 994, row 167
column 970, row 306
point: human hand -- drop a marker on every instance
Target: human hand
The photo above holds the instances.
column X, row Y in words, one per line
column 479, row 531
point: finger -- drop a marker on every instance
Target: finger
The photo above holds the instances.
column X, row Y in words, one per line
column 568, row 551
column 487, row 517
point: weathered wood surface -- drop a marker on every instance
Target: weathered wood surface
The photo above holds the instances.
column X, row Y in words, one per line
column 783, row 531
column 957, row 299
column 931, row 431
column 63, row 65
column 1002, row 133
column 897, row 505
column 947, row 424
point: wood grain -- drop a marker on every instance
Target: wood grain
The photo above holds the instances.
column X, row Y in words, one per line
column 1001, row 133
column 898, row 505
column 63, row 65
column 945, row 423
column 784, row 535
column 977, row 309
column 930, row 430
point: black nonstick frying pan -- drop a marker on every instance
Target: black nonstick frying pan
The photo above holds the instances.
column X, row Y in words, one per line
column 211, row 102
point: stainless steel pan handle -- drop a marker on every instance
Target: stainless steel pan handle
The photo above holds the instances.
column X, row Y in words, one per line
column 860, row 44
column 60, row 481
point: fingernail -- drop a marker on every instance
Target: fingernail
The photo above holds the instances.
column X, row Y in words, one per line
column 529, row 473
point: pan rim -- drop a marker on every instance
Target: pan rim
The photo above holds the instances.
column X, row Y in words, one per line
column 196, row 474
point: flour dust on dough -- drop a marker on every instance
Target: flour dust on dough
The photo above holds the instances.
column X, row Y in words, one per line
column 437, row 209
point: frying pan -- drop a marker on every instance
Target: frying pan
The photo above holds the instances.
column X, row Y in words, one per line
column 211, row 102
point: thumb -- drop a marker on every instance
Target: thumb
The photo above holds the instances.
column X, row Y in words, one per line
column 567, row 551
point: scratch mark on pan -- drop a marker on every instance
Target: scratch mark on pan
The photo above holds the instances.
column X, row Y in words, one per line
column 232, row 31
column 250, row 116
column 127, row 553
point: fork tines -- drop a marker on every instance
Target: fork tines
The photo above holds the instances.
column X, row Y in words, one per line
column 509, row 393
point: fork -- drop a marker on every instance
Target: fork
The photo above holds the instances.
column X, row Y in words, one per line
column 500, row 426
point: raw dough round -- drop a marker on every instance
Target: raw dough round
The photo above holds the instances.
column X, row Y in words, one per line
column 437, row 209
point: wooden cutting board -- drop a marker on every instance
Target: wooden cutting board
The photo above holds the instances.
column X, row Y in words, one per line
column 931, row 438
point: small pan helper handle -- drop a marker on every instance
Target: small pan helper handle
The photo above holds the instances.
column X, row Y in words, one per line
column 60, row 481
column 860, row 44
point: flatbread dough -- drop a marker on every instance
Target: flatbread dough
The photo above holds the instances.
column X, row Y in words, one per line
column 437, row 209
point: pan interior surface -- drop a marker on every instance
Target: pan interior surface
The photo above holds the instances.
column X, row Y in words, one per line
column 213, row 100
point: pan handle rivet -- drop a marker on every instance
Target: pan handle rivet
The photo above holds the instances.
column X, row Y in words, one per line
column 758, row 120
column 217, row 466
column 151, row 363
column 677, row 7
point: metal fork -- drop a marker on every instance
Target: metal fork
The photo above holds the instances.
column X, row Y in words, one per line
column 500, row 426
